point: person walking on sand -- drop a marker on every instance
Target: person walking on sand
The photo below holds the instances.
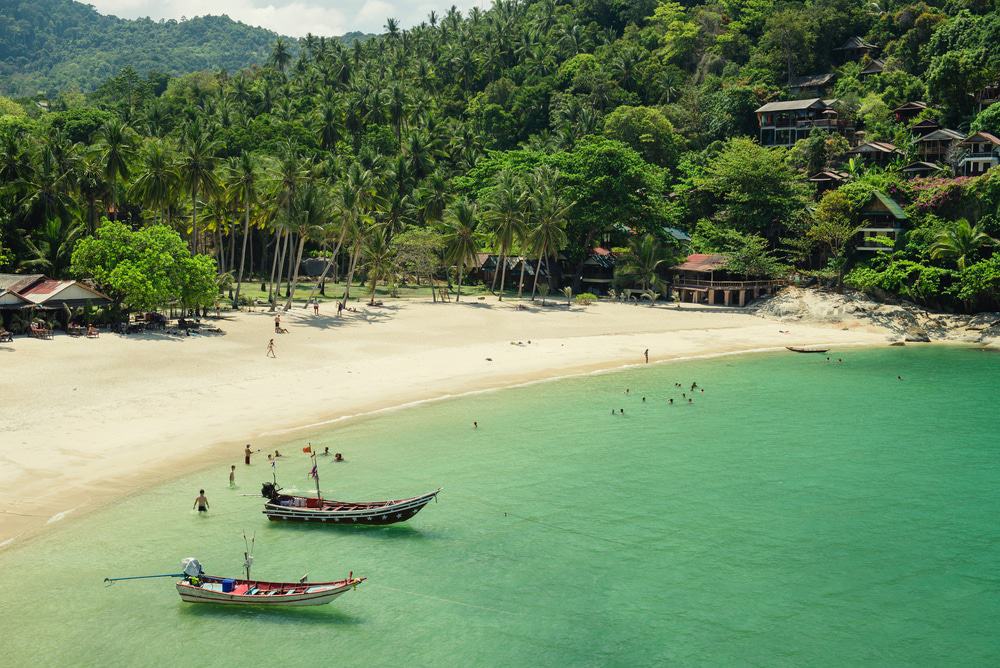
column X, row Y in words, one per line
column 316, row 307
column 246, row 455
column 232, row 476
column 646, row 354
column 201, row 503
column 270, row 350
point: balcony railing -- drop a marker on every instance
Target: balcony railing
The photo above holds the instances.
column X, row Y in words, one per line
column 696, row 284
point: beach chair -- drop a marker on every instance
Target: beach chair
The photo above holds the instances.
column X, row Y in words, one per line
column 40, row 332
column 5, row 336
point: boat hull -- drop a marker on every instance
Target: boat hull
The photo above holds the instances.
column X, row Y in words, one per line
column 345, row 514
column 284, row 595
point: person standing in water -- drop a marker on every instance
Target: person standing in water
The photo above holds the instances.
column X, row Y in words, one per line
column 201, row 503
column 646, row 354
column 232, row 476
column 246, row 455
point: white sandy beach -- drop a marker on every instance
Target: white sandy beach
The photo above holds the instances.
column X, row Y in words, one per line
column 84, row 421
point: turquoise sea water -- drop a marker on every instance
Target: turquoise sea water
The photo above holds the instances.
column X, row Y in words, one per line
column 800, row 512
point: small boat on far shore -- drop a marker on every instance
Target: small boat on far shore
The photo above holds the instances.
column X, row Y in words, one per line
column 801, row 349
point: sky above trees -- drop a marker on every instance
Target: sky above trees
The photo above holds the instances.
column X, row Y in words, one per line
column 292, row 17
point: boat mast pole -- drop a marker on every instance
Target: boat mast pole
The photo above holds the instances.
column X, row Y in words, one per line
column 319, row 494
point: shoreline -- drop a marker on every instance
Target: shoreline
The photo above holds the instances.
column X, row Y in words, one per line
column 135, row 469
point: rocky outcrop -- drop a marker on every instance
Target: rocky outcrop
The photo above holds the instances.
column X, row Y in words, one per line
column 903, row 321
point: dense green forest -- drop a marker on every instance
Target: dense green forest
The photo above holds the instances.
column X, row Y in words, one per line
column 50, row 46
column 536, row 128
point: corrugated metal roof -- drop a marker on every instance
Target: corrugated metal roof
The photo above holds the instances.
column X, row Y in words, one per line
column 911, row 106
column 810, row 80
column 944, row 134
column 790, row 105
column 890, row 203
column 705, row 262
column 855, row 43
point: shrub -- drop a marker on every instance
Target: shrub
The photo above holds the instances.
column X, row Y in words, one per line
column 586, row 298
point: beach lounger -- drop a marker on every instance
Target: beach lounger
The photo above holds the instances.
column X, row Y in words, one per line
column 6, row 337
column 41, row 332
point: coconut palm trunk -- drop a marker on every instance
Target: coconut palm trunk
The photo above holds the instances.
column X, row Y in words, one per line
column 295, row 277
column 274, row 264
column 503, row 275
column 194, row 221
column 278, row 272
column 329, row 263
column 458, row 296
column 355, row 254
column 291, row 267
column 520, row 285
column 243, row 256
column 538, row 270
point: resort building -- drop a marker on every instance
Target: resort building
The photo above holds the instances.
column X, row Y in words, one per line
column 855, row 48
column 703, row 279
column 873, row 66
column 988, row 95
column 37, row 291
column 980, row 153
column 925, row 127
column 882, row 217
column 875, row 153
column 907, row 112
column 598, row 270
column 828, row 179
column 939, row 145
column 921, row 169
column 811, row 85
column 784, row 123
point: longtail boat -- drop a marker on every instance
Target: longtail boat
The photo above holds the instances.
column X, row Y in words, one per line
column 800, row 349
column 292, row 508
column 235, row 591
column 288, row 507
column 197, row 587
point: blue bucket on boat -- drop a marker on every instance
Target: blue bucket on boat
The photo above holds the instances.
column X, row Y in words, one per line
column 228, row 585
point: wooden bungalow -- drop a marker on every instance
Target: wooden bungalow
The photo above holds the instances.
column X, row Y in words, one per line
column 598, row 270
column 883, row 217
column 39, row 291
column 879, row 153
column 702, row 278
column 872, row 66
column 905, row 113
column 988, row 95
column 920, row 169
column 939, row 145
column 828, row 179
column 812, row 85
column 784, row 123
column 925, row 127
column 855, row 48
column 980, row 153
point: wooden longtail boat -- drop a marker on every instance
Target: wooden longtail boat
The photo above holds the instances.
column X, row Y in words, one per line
column 288, row 507
column 196, row 587
column 291, row 508
column 798, row 349
column 211, row 589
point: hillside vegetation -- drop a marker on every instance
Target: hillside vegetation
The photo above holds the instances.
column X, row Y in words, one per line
column 55, row 45
column 539, row 129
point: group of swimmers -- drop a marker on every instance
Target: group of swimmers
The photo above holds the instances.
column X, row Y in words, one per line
column 670, row 400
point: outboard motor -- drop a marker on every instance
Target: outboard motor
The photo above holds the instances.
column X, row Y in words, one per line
column 269, row 491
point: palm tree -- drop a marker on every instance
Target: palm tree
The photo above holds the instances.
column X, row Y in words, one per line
column 505, row 215
column 461, row 220
column 51, row 247
column 197, row 168
column 309, row 212
column 646, row 255
column 378, row 258
column 961, row 242
column 158, row 180
column 243, row 182
column 116, row 144
column 548, row 235
column 354, row 206
column 280, row 55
